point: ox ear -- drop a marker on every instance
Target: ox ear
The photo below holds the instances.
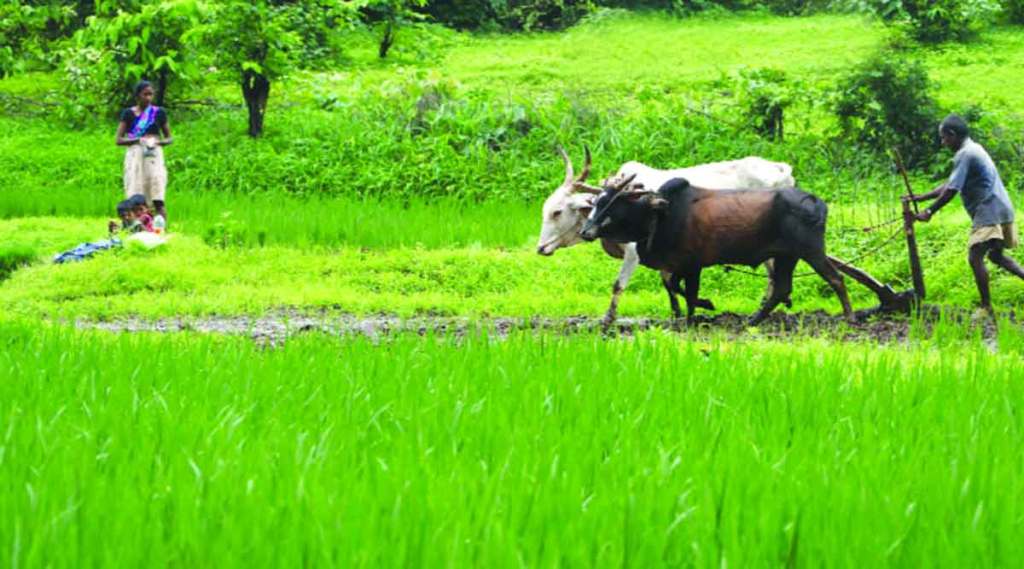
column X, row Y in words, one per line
column 584, row 208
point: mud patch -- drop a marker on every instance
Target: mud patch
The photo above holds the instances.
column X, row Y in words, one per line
column 277, row 326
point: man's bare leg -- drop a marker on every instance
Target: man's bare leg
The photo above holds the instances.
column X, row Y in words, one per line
column 999, row 257
column 976, row 258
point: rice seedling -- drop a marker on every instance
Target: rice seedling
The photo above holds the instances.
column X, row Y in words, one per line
column 533, row 450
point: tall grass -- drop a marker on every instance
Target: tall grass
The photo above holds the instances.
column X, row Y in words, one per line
column 504, row 102
column 187, row 450
column 236, row 219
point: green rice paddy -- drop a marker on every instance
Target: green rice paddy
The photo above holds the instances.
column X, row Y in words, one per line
column 687, row 448
column 530, row 451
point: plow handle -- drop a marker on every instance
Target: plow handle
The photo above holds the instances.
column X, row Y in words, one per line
column 915, row 260
column 898, row 159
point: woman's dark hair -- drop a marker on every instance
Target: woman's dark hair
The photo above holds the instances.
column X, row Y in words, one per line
column 955, row 125
column 140, row 86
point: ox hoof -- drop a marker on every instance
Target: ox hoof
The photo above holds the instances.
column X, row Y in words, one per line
column 705, row 304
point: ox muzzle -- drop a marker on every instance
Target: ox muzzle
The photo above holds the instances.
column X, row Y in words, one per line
column 590, row 229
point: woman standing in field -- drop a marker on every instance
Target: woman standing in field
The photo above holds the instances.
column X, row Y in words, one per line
column 144, row 129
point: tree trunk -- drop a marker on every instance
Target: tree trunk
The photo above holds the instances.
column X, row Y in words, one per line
column 256, row 91
column 387, row 40
column 161, row 87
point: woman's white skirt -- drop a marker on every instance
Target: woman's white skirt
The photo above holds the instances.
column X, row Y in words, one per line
column 145, row 175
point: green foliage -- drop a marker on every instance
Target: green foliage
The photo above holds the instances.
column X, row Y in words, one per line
column 470, row 145
column 13, row 257
column 26, row 30
column 1013, row 11
column 887, row 103
column 320, row 26
column 509, row 15
column 226, row 232
column 387, row 16
column 259, row 42
column 532, row 15
column 764, row 95
column 120, row 47
column 937, row 21
column 683, row 7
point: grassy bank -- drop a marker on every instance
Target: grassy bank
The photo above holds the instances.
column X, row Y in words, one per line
column 193, row 276
column 534, row 451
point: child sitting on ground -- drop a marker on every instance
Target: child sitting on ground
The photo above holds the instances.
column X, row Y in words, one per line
column 141, row 210
column 133, row 218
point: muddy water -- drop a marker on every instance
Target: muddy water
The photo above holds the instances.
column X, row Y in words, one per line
column 276, row 326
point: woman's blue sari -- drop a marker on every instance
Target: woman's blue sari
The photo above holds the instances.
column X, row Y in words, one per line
column 143, row 122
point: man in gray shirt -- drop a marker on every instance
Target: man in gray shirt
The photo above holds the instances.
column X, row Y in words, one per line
column 975, row 178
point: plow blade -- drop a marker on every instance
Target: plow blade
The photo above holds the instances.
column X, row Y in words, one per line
column 888, row 299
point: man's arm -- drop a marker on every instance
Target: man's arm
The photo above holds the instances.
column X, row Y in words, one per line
column 945, row 192
column 945, row 195
column 928, row 196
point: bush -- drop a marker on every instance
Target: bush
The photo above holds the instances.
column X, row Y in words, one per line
column 1013, row 11
column 1004, row 144
column 937, row 20
column 115, row 51
column 32, row 30
column 782, row 7
column 530, row 15
column 802, row 7
column 764, row 95
column 509, row 15
column 14, row 257
column 92, row 84
column 317, row 22
column 887, row 103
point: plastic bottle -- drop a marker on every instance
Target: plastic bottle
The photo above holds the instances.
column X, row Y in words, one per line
column 159, row 224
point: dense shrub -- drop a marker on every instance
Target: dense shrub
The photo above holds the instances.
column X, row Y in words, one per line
column 318, row 23
column 937, row 20
column 764, row 95
column 509, row 15
column 886, row 103
column 12, row 257
column 802, row 7
column 1013, row 11
column 1004, row 144
column 530, row 15
column 26, row 31
column 782, row 7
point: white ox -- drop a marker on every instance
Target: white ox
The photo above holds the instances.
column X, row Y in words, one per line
column 567, row 208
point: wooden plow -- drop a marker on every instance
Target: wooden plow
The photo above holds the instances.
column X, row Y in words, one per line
column 888, row 299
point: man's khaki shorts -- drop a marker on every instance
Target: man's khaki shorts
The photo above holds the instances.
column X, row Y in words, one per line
column 1007, row 233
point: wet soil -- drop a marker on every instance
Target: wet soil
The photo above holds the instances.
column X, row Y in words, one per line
column 276, row 326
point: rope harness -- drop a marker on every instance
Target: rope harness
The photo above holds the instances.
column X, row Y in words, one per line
column 862, row 256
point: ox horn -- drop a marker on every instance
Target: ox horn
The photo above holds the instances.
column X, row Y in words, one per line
column 621, row 184
column 568, row 167
column 586, row 188
column 586, row 165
